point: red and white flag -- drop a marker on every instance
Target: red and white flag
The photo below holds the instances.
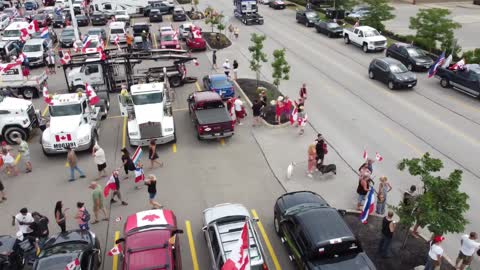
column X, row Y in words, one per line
column 72, row 265
column 85, row 45
column 378, row 157
column 24, row 34
column 238, row 259
column 92, row 96
column 21, row 57
column 75, row 46
column 139, row 175
column 365, row 154
column 459, row 65
column 294, row 115
column 33, row 27
column 116, row 41
column 302, row 121
column 7, row 67
column 66, row 58
column 46, row 96
column 116, row 250
column 101, row 53
column 111, row 185
column 357, row 23
column 63, row 138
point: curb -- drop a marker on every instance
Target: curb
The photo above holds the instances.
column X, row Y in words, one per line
column 251, row 104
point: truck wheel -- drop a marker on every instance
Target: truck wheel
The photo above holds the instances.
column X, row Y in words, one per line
column 391, row 86
column 174, row 137
column 346, row 39
column 175, row 81
column 11, row 133
column 365, row 47
column 276, row 224
column 444, row 83
column 29, row 92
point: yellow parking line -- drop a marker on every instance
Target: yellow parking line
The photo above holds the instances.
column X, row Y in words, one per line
column 67, row 165
column 107, row 43
column 174, row 148
column 193, row 251
column 403, row 140
column 124, row 132
column 222, row 141
column 155, row 41
column 17, row 158
column 267, row 242
column 45, row 111
column 198, row 87
column 115, row 257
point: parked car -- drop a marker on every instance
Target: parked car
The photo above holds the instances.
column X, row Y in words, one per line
column 195, row 40
column 155, row 15
column 169, row 40
column 466, row 80
column 277, row 4
column 51, row 36
column 366, row 37
column 331, row 29
column 265, row 2
column 82, row 20
column 160, row 5
column 4, row 5
column 59, row 21
column 138, row 29
column 99, row 18
column 96, row 31
column 11, row 253
column 35, row 50
column 43, row 20
column 67, row 37
column 220, row 84
column 359, row 15
column 184, row 30
column 179, row 14
column 412, row 57
column 151, row 241
column 315, row 234
column 122, row 16
column 209, row 115
column 392, row 72
column 223, row 226
column 61, row 249
column 4, row 21
column 307, row 17
column 50, row 11
column 31, row 5
column 12, row 12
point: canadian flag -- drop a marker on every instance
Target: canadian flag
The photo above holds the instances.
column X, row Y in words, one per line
column 72, row 265
column 116, row 250
column 294, row 115
column 109, row 186
column 9, row 66
column 63, row 138
column 23, row 34
column 459, row 65
column 21, row 57
column 75, row 46
column 85, row 45
column 302, row 121
column 365, row 154
column 66, row 58
column 196, row 62
column 101, row 53
column 33, row 27
column 92, row 96
column 139, row 175
column 378, row 157
column 46, row 96
column 238, row 258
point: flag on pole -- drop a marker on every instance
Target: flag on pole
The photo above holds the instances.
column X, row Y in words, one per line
column 239, row 259
column 365, row 154
column 92, row 96
column 447, row 61
column 33, row 27
column 66, row 58
column 439, row 62
column 459, row 65
column 24, row 34
column 369, row 206
column 294, row 115
column 44, row 33
column 46, row 96
column 139, row 175
column 72, row 265
column 302, row 121
column 137, row 155
column 116, row 250
column 111, row 185
column 378, row 157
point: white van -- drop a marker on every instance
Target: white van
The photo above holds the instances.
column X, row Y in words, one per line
column 117, row 29
column 4, row 21
column 12, row 32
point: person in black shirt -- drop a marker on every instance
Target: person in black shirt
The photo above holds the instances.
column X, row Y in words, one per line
column 320, row 149
column 40, row 226
column 127, row 162
column 151, row 183
column 388, row 227
column 257, row 111
column 235, row 69
column 214, row 60
column 116, row 192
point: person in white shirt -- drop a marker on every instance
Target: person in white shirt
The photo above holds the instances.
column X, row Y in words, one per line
column 226, row 68
column 23, row 220
column 435, row 254
column 239, row 109
column 99, row 158
column 468, row 248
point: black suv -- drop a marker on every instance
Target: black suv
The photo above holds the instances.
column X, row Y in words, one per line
column 307, row 17
column 99, row 18
column 316, row 235
column 412, row 57
column 63, row 248
column 392, row 72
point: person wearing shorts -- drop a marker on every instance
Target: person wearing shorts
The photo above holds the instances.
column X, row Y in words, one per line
column 151, row 183
column 9, row 162
column 99, row 158
column 24, row 150
column 468, row 248
column 362, row 190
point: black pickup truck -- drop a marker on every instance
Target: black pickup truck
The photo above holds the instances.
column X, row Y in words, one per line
column 210, row 115
column 466, row 80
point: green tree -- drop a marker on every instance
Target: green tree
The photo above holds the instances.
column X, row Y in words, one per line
column 220, row 27
column 441, row 207
column 380, row 11
column 281, row 69
column 433, row 25
column 472, row 56
column 258, row 56
column 344, row 4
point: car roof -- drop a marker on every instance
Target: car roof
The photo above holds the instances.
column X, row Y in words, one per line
column 474, row 67
column 56, row 261
column 220, row 211
column 69, row 236
column 389, row 60
column 145, row 88
column 218, row 77
column 150, row 218
column 96, row 29
column 34, row 41
column 296, row 198
column 117, row 25
column 144, row 250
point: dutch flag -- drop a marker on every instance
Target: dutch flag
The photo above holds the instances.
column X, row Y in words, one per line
column 44, row 33
column 369, row 206
column 137, row 155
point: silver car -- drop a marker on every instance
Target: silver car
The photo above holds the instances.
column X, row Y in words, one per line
column 223, row 225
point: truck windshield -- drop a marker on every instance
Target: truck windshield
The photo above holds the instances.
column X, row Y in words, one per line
column 167, row 37
column 150, row 98
column 32, row 48
column 65, row 110
column 11, row 33
column 116, row 31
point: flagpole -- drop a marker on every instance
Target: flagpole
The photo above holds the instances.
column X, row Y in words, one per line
column 248, row 241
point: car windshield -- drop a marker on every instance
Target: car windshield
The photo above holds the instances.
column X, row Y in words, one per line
column 58, row 18
column 371, row 33
column 81, row 17
column 74, row 247
column 220, row 84
column 398, row 68
column 68, row 33
column 311, row 15
column 116, row 31
column 120, row 12
column 93, row 44
column 155, row 11
column 151, row 98
column 65, row 110
column 32, row 48
column 40, row 17
column 94, row 32
column 167, row 37
column 415, row 52
column 301, row 207
column 11, row 33
column 178, row 11
column 333, row 25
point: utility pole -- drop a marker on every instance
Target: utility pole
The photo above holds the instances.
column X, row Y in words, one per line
column 74, row 20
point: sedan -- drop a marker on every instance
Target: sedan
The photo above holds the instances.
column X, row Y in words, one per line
column 392, row 72
column 82, row 20
column 412, row 57
column 99, row 18
column 219, row 83
column 184, row 30
column 331, row 29
column 61, row 249
column 59, row 21
column 31, row 5
column 155, row 15
column 179, row 14
column 307, row 17
column 277, row 4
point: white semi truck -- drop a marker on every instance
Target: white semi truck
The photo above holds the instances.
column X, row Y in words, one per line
column 18, row 118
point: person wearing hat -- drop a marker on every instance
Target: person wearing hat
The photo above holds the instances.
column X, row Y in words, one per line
column 435, row 254
column 226, row 68
column 99, row 158
column 468, row 248
column 97, row 196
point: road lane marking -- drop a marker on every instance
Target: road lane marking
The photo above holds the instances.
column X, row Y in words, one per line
column 193, row 251
column 124, row 132
column 464, row 104
column 403, row 140
column 155, row 41
column 267, row 242
column 45, row 111
column 222, row 141
column 115, row 257
column 198, row 87
column 174, row 148
column 67, row 165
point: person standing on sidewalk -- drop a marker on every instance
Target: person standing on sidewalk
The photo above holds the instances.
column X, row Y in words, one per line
column 435, row 254
column 60, row 216
column 116, row 192
column 226, row 68
column 312, row 154
column 23, row 149
column 388, row 228
column 152, row 154
column 239, row 109
column 100, row 159
column 362, row 189
column 82, row 216
column 257, row 112
column 151, row 183
column 9, row 161
column 97, row 196
column 383, row 189
column 72, row 162
column 235, row 70
column 214, row 59
column 468, row 248
column 236, row 31
column 263, row 99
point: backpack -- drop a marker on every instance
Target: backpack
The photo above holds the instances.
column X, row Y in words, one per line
column 85, row 216
column 325, row 149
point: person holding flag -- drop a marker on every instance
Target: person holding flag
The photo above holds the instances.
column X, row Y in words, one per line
column 113, row 184
column 362, row 189
column 438, row 63
column 151, row 183
column 127, row 162
column 369, row 205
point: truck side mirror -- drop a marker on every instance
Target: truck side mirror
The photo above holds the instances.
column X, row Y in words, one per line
column 342, row 212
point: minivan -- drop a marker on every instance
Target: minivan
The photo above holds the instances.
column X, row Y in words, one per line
column 117, row 29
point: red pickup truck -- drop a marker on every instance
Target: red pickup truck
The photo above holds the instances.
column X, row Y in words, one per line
column 210, row 115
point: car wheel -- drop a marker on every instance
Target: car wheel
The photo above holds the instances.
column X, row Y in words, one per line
column 307, row 24
column 12, row 133
column 365, row 48
column 444, row 83
column 410, row 67
column 371, row 75
column 276, row 224
column 387, row 54
column 346, row 40
column 28, row 92
column 391, row 86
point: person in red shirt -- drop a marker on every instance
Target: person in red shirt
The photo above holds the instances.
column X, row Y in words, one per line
column 279, row 108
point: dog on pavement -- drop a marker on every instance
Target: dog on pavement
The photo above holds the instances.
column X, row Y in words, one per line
column 327, row 168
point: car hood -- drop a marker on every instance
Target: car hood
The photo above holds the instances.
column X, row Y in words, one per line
column 34, row 54
column 423, row 59
column 406, row 76
column 148, row 113
column 67, row 39
column 377, row 38
column 358, row 261
column 171, row 42
column 56, row 261
column 64, row 124
column 13, row 104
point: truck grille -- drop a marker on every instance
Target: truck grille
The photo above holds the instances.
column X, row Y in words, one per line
column 31, row 115
column 150, row 130
column 379, row 43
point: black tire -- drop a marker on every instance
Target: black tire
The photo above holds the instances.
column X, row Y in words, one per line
column 346, row 39
column 365, row 47
column 45, row 153
column 371, row 75
column 391, row 85
column 198, row 137
column 174, row 137
column 444, row 83
column 14, row 132
column 29, row 92
column 410, row 67
column 276, row 225
column 175, row 81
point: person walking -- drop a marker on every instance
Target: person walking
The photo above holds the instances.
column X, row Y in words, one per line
column 236, row 31
column 60, row 216
column 279, row 109
column 469, row 246
column 384, row 188
column 9, row 161
column 97, row 197
column 230, row 30
column 226, row 68
column 312, row 154
column 263, row 99
column 23, row 220
column 388, row 228
column 151, row 183
column 116, row 192
column 302, row 119
column 303, row 92
column 362, row 189
column 152, row 154
column 129, row 41
column 127, row 162
column 320, row 147
column 99, row 157
column 73, row 164
column 24, row 150
column 434, row 259
column 257, row 112
column 50, row 59
column 235, row 70
column 239, row 110
column 214, row 59
column 82, row 216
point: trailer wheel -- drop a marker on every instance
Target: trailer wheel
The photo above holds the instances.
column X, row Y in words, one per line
column 175, row 81
column 14, row 132
column 29, row 92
